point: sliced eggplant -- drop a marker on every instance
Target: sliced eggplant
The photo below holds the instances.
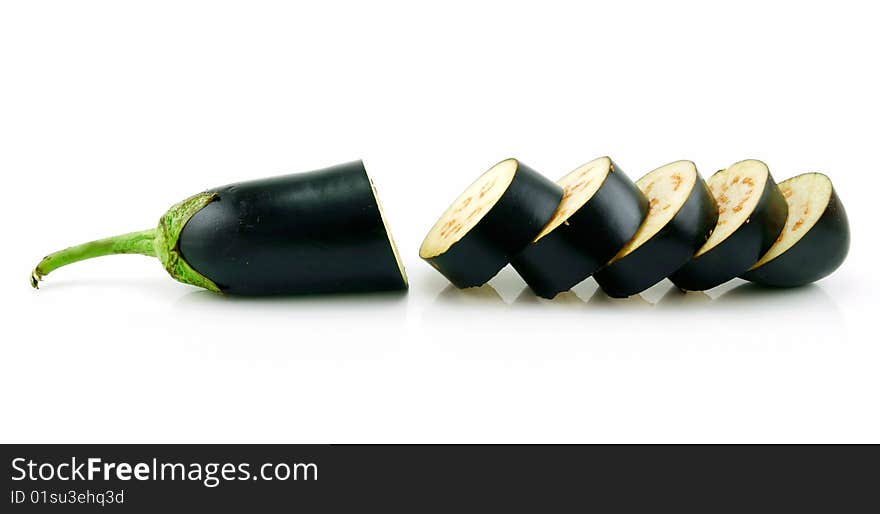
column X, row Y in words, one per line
column 681, row 216
column 815, row 239
column 493, row 220
column 751, row 215
column 601, row 210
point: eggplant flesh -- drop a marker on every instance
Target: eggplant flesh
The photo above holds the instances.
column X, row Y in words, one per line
column 751, row 215
column 315, row 232
column 681, row 216
column 601, row 210
column 815, row 240
column 493, row 220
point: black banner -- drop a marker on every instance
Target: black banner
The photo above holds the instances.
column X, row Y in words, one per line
column 404, row 478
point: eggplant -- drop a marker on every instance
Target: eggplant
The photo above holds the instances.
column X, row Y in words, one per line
column 751, row 215
column 681, row 216
column 601, row 210
column 815, row 240
column 317, row 232
column 492, row 221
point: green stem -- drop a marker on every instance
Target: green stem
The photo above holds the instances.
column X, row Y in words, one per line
column 134, row 242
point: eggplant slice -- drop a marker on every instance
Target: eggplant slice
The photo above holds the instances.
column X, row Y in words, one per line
column 681, row 216
column 316, row 232
column 815, row 240
column 493, row 220
column 751, row 215
column 601, row 210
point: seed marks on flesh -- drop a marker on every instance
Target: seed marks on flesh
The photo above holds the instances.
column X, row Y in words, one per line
column 444, row 230
column 676, row 181
column 474, row 213
column 464, row 203
column 487, row 187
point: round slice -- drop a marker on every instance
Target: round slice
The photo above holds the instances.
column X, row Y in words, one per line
column 600, row 211
column 681, row 216
column 493, row 220
column 751, row 214
column 815, row 239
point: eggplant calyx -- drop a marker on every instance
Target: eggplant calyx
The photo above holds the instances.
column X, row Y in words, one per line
column 159, row 242
column 167, row 234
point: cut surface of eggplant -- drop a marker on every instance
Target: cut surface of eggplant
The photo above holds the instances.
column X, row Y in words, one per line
column 600, row 211
column 493, row 220
column 315, row 232
column 681, row 216
column 815, row 240
column 751, row 214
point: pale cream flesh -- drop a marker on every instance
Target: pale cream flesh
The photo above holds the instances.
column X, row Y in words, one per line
column 807, row 196
column 468, row 209
column 737, row 191
column 667, row 188
column 578, row 187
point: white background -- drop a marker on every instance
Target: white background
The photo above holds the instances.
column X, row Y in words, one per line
column 110, row 112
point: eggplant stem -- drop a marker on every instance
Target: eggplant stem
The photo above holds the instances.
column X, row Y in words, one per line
column 141, row 243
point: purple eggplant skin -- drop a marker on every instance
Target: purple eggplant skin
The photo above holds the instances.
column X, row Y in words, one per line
column 314, row 232
column 667, row 251
column 815, row 256
column 587, row 240
column 523, row 210
column 742, row 249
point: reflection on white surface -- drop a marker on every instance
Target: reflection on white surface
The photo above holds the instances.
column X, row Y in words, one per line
column 568, row 299
column 204, row 297
column 280, row 330
column 735, row 295
column 485, row 294
column 661, row 323
column 600, row 300
column 675, row 298
column 754, row 294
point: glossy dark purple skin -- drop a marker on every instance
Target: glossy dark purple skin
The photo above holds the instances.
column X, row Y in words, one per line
column 740, row 250
column 589, row 238
column 818, row 254
column 314, row 232
column 667, row 251
column 512, row 223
